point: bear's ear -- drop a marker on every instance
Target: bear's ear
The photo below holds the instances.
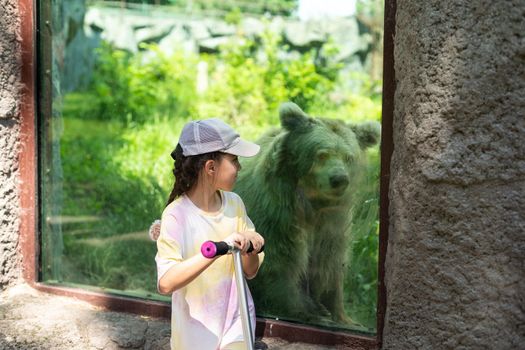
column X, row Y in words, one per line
column 367, row 133
column 292, row 117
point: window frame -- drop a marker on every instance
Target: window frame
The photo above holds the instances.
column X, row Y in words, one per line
column 36, row 102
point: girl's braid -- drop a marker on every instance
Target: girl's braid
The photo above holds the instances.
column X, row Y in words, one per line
column 186, row 170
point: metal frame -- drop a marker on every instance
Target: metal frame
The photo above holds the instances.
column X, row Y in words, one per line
column 34, row 97
column 387, row 146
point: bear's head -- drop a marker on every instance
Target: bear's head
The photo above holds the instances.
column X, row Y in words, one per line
column 322, row 155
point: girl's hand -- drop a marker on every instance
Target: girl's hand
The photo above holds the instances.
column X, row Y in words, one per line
column 256, row 239
column 240, row 241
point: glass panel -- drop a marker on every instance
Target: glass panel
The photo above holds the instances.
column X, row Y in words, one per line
column 120, row 78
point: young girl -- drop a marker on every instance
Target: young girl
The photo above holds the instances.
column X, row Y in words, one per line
column 205, row 308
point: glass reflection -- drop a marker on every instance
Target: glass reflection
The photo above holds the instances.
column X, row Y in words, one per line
column 126, row 75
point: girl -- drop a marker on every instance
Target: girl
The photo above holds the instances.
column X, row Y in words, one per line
column 201, row 207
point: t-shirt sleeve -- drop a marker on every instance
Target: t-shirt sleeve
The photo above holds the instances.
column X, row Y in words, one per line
column 169, row 245
column 249, row 226
column 246, row 223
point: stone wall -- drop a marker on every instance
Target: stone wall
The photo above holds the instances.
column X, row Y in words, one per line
column 455, row 269
column 10, row 60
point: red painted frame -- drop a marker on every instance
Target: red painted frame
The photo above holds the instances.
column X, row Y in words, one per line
column 28, row 148
column 29, row 242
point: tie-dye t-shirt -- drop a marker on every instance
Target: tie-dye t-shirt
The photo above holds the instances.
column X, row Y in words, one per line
column 205, row 313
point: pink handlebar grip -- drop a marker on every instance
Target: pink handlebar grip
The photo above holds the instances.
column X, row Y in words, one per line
column 209, row 249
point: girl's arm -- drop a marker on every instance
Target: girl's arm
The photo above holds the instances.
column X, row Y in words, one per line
column 250, row 262
column 250, row 265
column 183, row 273
column 186, row 271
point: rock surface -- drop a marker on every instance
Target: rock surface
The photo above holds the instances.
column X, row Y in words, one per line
column 455, row 264
column 10, row 89
column 126, row 29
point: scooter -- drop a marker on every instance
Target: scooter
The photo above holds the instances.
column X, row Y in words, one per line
column 210, row 249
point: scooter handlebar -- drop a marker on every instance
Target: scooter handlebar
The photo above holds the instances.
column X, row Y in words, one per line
column 210, row 249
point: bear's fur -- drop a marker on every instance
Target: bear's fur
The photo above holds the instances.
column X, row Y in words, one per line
column 298, row 192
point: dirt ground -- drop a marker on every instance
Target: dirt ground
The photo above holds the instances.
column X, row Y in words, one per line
column 30, row 319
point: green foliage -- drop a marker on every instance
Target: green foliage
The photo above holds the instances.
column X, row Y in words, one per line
column 245, row 86
column 234, row 16
column 137, row 88
column 97, row 184
column 235, row 93
column 145, row 153
column 250, row 87
column 361, row 280
column 356, row 98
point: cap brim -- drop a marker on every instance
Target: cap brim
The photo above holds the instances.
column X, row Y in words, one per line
column 243, row 149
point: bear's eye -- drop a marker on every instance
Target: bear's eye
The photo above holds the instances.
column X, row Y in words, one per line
column 322, row 156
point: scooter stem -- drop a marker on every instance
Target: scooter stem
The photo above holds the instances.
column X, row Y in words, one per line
column 243, row 300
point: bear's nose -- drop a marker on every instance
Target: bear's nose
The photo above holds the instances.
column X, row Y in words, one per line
column 339, row 181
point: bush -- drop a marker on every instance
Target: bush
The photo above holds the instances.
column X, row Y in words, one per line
column 250, row 83
column 144, row 86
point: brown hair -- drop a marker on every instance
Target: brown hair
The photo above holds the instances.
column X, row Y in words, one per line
column 186, row 170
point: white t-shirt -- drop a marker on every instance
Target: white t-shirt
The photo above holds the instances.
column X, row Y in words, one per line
column 205, row 313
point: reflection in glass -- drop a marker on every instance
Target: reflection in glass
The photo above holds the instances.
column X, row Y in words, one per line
column 125, row 77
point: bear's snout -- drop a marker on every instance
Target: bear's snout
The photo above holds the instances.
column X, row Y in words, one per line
column 339, row 181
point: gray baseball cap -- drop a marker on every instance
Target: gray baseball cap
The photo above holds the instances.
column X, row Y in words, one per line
column 212, row 135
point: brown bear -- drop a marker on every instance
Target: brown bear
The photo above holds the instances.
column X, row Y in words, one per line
column 298, row 191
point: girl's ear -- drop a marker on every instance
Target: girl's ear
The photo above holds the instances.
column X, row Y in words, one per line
column 210, row 167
